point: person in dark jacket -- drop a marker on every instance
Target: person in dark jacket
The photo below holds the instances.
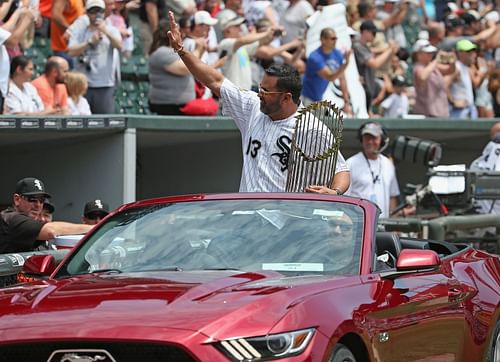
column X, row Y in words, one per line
column 21, row 228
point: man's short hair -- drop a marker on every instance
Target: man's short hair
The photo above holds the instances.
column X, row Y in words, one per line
column 364, row 7
column 288, row 79
column 50, row 66
column 263, row 23
column 325, row 32
column 435, row 30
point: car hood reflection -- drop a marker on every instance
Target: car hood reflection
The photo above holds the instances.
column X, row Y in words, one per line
column 196, row 301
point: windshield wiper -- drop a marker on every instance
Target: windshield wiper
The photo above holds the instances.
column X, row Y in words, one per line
column 222, row 269
column 170, row 268
column 167, row 268
column 109, row 271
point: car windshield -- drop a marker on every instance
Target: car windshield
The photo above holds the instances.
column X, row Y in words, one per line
column 287, row 236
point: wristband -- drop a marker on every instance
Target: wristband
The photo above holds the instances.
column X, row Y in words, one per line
column 181, row 52
column 337, row 191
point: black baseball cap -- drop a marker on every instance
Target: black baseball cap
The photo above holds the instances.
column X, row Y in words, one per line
column 31, row 186
column 398, row 81
column 49, row 206
column 368, row 25
column 452, row 22
column 96, row 205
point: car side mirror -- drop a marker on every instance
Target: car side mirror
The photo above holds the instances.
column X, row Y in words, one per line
column 417, row 260
column 40, row 265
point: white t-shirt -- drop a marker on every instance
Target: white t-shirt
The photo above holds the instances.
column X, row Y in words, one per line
column 265, row 143
column 190, row 45
column 376, row 182
column 461, row 88
column 488, row 161
column 101, row 66
column 395, row 106
column 4, row 62
column 238, row 67
column 81, row 108
column 24, row 100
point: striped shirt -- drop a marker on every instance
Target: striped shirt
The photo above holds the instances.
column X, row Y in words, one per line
column 265, row 143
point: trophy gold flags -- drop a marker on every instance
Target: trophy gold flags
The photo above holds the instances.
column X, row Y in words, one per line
column 315, row 146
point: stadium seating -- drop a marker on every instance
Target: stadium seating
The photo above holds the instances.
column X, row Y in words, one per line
column 131, row 94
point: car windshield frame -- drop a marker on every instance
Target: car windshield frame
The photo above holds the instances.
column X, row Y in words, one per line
column 292, row 237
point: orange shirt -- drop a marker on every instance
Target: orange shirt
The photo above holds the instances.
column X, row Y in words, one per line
column 72, row 10
column 45, row 8
column 51, row 97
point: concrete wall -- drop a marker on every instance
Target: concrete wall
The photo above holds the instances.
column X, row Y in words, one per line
column 200, row 164
column 74, row 170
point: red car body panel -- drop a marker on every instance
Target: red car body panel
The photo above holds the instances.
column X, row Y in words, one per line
column 446, row 314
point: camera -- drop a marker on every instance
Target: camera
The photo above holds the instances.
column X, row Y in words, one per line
column 446, row 58
column 278, row 32
column 85, row 61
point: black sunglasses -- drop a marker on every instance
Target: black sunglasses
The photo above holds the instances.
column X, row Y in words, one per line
column 34, row 199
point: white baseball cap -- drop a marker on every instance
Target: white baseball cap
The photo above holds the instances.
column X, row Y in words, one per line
column 423, row 45
column 203, row 17
column 231, row 20
column 95, row 4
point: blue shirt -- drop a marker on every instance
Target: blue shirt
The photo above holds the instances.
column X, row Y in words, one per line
column 313, row 85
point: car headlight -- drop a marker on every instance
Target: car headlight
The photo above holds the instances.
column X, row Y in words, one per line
column 265, row 348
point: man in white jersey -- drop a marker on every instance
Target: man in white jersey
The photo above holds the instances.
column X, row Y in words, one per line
column 374, row 176
column 266, row 121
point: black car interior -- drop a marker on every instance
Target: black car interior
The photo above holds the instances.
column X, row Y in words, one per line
column 391, row 243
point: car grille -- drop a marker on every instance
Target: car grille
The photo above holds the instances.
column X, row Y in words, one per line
column 120, row 352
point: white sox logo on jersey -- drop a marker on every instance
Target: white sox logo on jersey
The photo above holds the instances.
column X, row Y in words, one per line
column 282, row 143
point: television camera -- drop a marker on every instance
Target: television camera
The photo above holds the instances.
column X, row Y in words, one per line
column 454, row 203
column 450, row 190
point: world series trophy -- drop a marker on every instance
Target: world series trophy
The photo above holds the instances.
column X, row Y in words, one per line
column 315, row 146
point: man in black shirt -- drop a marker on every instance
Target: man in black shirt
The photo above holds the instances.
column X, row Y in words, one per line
column 20, row 228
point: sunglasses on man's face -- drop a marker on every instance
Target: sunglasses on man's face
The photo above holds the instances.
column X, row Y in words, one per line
column 343, row 226
column 34, row 199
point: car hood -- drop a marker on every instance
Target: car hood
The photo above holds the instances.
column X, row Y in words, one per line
column 206, row 302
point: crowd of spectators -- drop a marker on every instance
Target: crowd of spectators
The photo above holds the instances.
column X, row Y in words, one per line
column 413, row 57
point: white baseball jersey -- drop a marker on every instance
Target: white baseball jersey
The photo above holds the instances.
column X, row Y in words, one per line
column 265, row 143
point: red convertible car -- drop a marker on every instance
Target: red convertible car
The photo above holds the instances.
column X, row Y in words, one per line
column 254, row 277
